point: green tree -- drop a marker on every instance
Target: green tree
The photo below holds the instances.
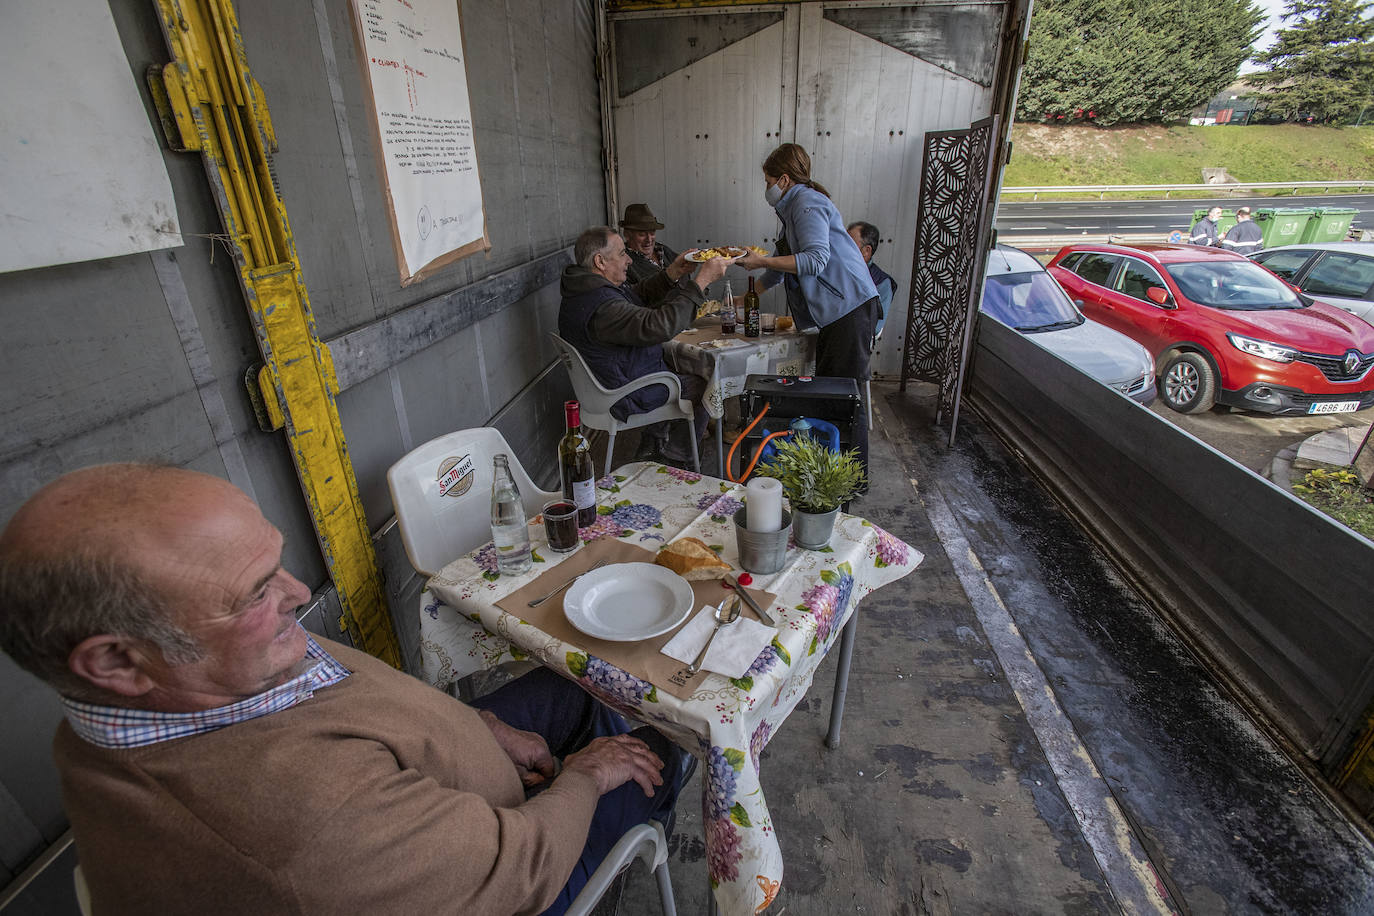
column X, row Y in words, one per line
column 1131, row 61
column 1323, row 65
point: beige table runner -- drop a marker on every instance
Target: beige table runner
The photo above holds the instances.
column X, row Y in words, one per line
column 643, row 658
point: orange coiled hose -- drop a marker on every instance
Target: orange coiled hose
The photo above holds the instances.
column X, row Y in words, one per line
column 730, row 458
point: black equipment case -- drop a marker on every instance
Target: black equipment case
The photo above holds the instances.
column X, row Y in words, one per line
column 835, row 400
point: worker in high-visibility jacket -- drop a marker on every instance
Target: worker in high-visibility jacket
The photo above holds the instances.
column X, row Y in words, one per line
column 1245, row 237
column 1205, row 232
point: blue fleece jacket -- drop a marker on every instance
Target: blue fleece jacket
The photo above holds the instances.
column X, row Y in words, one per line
column 831, row 279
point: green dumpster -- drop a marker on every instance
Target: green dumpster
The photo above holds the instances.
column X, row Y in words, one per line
column 1227, row 220
column 1331, row 224
column 1284, row 225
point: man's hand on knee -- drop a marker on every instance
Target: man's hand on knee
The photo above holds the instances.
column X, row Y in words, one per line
column 616, row 760
column 528, row 751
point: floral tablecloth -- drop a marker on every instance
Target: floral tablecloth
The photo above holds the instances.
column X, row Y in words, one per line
column 726, row 360
column 727, row 722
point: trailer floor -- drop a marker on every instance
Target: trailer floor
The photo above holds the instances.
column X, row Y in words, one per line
column 1022, row 735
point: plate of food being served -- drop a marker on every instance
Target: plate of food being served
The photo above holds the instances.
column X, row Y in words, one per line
column 702, row 255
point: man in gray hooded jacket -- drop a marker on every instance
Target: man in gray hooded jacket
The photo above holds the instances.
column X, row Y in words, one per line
column 620, row 329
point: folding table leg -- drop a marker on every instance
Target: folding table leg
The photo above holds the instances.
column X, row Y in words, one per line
column 832, row 738
column 720, row 446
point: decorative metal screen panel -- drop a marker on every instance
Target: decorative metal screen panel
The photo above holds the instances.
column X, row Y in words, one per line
column 951, row 220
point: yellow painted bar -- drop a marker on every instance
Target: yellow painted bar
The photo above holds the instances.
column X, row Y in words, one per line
column 217, row 101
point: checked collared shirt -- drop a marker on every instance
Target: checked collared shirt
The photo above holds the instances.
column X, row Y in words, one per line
column 117, row 727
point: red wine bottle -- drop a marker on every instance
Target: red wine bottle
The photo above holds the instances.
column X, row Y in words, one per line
column 575, row 466
column 751, row 311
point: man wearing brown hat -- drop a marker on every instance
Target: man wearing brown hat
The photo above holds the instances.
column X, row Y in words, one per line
column 647, row 257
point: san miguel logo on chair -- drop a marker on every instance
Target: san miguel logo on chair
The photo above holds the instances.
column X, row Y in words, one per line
column 455, row 476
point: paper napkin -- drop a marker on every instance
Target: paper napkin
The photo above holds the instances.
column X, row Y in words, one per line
column 736, row 646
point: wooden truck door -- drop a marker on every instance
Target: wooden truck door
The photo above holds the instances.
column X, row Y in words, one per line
column 698, row 97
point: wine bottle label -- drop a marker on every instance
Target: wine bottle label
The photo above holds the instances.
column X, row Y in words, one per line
column 583, row 493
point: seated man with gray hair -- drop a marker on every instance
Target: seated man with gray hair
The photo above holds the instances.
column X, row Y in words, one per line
column 867, row 236
column 620, row 329
column 215, row 759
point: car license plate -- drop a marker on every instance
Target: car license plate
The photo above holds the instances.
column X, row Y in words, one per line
column 1334, row 407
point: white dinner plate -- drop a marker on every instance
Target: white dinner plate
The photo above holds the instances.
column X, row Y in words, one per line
column 628, row 601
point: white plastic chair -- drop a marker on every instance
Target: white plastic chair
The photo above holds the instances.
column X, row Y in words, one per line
column 646, row 842
column 597, row 400
column 439, row 529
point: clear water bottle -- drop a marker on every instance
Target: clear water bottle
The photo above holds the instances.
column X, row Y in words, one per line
column 508, row 528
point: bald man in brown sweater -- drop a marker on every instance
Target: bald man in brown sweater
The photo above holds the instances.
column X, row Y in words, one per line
column 215, row 759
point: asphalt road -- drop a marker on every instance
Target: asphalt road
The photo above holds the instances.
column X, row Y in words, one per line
column 1045, row 218
column 1254, row 439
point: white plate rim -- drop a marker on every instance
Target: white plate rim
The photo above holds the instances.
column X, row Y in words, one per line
column 577, row 617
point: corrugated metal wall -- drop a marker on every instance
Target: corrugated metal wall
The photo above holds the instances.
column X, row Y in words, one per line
column 142, row 357
column 736, row 84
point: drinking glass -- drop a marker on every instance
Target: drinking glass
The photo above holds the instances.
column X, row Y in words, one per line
column 560, row 524
column 769, row 321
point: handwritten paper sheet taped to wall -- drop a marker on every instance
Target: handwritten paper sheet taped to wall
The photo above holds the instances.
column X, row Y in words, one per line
column 412, row 54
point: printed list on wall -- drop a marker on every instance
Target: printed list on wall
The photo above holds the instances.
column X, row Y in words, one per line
column 413, row 56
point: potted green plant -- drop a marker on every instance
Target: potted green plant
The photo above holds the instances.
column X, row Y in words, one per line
column 817, row 482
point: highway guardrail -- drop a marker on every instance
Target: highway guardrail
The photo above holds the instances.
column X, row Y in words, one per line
column 1052, row 243
column 1104, row 189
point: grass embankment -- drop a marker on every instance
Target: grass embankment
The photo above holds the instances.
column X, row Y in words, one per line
column 1339, row 494
column 1043, row 155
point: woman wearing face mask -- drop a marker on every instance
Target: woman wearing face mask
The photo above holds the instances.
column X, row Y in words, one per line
column 828, row 285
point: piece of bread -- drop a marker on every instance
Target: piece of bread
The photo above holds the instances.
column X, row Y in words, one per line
column 784, row 323
column 691, row 559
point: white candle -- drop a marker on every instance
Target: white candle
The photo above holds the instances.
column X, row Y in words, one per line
column 763, row 506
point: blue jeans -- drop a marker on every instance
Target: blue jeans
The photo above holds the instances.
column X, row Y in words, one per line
column 568, row 719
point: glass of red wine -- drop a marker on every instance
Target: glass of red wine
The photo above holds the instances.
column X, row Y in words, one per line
column 560, row 524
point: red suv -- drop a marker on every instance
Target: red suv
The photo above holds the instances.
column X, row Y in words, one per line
column 1223, row 329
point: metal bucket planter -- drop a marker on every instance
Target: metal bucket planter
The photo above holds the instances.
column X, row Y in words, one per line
column 762, row 552
column 812, row 531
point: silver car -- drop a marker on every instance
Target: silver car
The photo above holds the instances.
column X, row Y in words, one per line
column 1019, row 293
column 1339, row 273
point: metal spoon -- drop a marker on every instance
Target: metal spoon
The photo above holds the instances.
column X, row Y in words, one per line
column 538, row 601
column 733, row 583
column 723, row 617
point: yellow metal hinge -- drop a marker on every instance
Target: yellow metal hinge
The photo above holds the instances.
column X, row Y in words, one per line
column 262, row 395
column 173, row 111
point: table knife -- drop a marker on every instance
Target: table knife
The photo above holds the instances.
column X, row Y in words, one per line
column 754, row 605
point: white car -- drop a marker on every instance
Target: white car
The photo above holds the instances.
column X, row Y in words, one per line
column 1019, row 293
column 1338, row 273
